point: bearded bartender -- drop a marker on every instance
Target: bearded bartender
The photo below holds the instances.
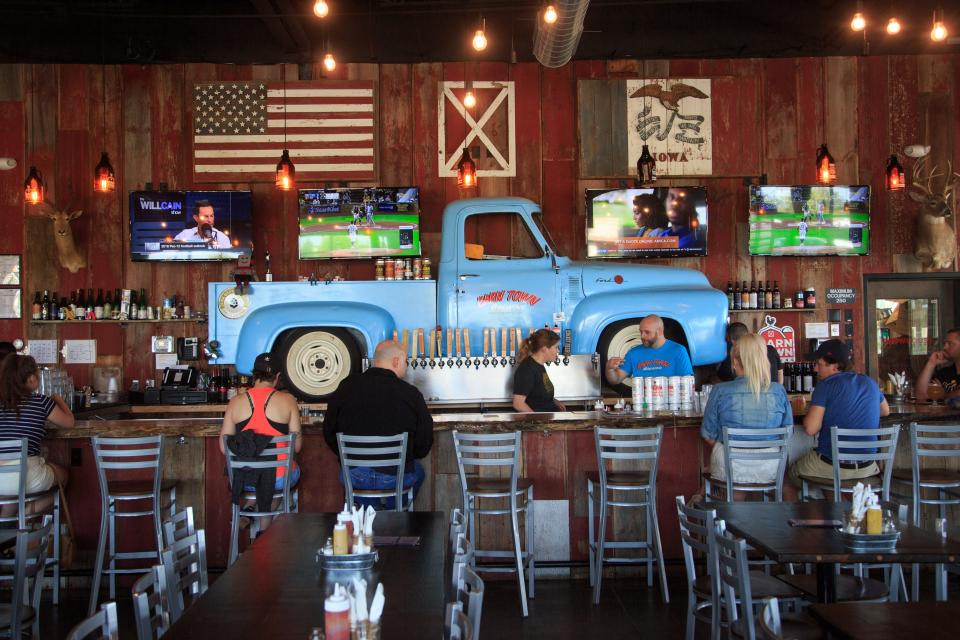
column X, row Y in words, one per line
column 204, row 232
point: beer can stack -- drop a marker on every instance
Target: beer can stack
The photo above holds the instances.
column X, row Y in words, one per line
column 663, row 392
column 638, row 398
column 402, row 269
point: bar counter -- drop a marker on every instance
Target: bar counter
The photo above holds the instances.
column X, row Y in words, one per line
column 558, row 450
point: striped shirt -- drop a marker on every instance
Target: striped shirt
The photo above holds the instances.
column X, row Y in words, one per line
column 32, row 423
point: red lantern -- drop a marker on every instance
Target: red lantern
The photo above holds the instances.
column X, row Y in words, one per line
column 33, row 187
column 466, row 171
column 826, row 167
column 895, row 179
column 286, row 172
column 104, row 179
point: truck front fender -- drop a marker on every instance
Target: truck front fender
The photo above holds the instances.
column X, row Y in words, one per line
column 701, row 313
column 263, row 326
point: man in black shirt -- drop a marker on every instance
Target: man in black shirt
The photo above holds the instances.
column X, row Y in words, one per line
column 725, row 370
column 942, row 366
column 378, row 402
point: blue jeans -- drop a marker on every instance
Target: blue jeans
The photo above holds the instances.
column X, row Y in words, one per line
column 367, row 478
column 278, row 485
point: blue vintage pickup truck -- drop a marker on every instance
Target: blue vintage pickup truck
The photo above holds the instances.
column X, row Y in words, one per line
column 498, row 268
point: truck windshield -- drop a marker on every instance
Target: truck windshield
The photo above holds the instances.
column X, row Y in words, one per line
column 538, row 220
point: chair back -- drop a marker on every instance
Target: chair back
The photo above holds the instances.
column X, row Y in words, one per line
column 278, row 454
column 456, row 623
column 734, row 577
column 150, row 610
column 768, row 621
column 487, row 451
column 697, row 538
column 102, row 624
column 628, row 444
column 458, row 526
column 932, row 441
column 27, row 566
column 116, row 456
column 185, row 569
column 747, row 445
column 178, row 527
column 846, row 449
column 462, row 559
column 13, row 460
column 374, row 452
column 470, row 597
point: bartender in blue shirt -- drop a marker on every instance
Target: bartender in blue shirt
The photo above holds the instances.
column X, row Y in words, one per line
column 657, row 356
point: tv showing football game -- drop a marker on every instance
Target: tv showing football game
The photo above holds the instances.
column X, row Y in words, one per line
column 190, row 225
column 359, row 223
column 810, row 220
column 647, row 222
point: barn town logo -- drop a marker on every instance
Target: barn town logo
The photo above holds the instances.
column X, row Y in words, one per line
column 508, row 295
column 782, row 339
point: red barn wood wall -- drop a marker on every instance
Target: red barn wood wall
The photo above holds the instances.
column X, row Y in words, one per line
column 769, row 117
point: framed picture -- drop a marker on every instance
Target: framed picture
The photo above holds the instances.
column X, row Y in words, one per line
column 10, row 298
column 9, row 270
column 9, row 303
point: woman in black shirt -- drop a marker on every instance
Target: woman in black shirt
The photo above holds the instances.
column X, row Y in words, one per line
column 532, row 389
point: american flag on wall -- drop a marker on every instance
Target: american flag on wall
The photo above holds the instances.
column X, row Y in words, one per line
column 238, row 130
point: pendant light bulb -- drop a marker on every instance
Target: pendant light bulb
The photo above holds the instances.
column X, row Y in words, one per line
column 894, row 179
column 939, row 31
column 480, row 37
column 893, row 26
column 33, row 187
column 466, row 171
column 286, row 172
column 469, row 99
column 321, row 9
column 329, row 63
column 104, row 178
column 550, row 14
column 859, row 23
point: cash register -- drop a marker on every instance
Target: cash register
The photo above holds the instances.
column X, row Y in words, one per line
column 179, row 386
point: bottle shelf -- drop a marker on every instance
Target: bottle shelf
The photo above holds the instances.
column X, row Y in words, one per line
column 792, row 310
column 112, row 321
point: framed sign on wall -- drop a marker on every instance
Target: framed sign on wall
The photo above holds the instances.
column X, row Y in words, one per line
column 10, row 295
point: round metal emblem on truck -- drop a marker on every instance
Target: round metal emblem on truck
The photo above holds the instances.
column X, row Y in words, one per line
column 233, row 305
column 315, row 360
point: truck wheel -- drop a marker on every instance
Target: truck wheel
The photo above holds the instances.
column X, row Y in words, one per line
column 622, row 336
column 315, row 361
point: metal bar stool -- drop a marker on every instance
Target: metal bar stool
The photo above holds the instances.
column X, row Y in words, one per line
column 931, row 441
column 278, row 454
column 491, row 451
column 629, row 445
column 748, row 445
column 375, row 452
column 122, row 458
column 10, row 450
column 884, row 440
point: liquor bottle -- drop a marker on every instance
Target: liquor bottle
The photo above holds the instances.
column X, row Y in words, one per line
column 62, row 311
column 143, row 304
column 91, row 304
column 737, row 300
column 78, row 310
column 761, row 295
column 768, row 297
column 798, row 377
column 729, row 295
column 36, row 310
column 808, row 377
column 134, row 307
column 108, row 306
column 753, row 294
column 45, row 306
column 73, row 303
column 55, row 306
column 98, row 305
column 744, row 296
column 179, row 307
column 777, row 302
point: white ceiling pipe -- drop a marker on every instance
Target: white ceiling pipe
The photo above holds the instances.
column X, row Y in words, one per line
column 554, row 44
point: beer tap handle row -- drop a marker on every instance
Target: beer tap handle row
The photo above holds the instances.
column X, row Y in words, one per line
column 500, row 346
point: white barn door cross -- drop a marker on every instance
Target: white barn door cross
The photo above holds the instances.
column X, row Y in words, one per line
column 506, row 164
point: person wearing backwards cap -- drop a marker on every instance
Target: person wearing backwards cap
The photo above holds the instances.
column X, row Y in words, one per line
column 264, row 411
column 844, row 399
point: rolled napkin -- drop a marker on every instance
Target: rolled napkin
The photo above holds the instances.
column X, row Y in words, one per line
column 376, row 606
column 368, row 525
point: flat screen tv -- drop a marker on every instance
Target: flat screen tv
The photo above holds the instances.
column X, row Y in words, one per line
column 359, row 223
column 647, row 223
column 810, row 220
column 190, row 225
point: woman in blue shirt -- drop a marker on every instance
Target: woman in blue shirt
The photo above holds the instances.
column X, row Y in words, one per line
column 749, row 401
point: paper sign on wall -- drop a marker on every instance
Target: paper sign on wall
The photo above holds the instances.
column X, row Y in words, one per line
column 780, row 338
column 816, row 329
column 43, row 351
column 79, row 351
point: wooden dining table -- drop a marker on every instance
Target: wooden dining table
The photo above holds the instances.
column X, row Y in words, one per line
column 886, row 621
column 767, row 527
column 276, row 590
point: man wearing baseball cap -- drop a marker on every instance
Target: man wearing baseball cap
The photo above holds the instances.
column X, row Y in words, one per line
column 842, row 398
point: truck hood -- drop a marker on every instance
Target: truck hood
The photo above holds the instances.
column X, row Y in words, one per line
column 597, row 278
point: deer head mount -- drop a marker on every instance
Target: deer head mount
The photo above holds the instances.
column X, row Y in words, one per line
column 936, row 245
column 70, row 258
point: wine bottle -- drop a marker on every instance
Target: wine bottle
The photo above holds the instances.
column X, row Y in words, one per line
column 737, row 300
column 37, row 306
column 64, row 306
column 744, row 296
column 134, row 307
column 98, row 305
column 808, row 377
column 45, row 306
column 143, row 304
column 91, row 304
column 753, row 294
column 55, row 306
column 798, row 378
column 761, row 297
column 108, row 306
column 777, row 302
column 729, row 295
column 768, row 297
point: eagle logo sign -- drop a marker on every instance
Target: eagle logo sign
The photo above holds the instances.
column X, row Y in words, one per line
column 669, row 98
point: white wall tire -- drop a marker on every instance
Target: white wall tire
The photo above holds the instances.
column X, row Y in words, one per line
column 315, row 361
column 620, row 337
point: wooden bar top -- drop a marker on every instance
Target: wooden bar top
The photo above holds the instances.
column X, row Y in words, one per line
column 205, row 420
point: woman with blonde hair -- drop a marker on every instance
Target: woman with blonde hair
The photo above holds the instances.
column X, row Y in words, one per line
column 532, row 389
column 751, row 400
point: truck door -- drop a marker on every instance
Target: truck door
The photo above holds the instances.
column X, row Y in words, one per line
column 505, row 278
